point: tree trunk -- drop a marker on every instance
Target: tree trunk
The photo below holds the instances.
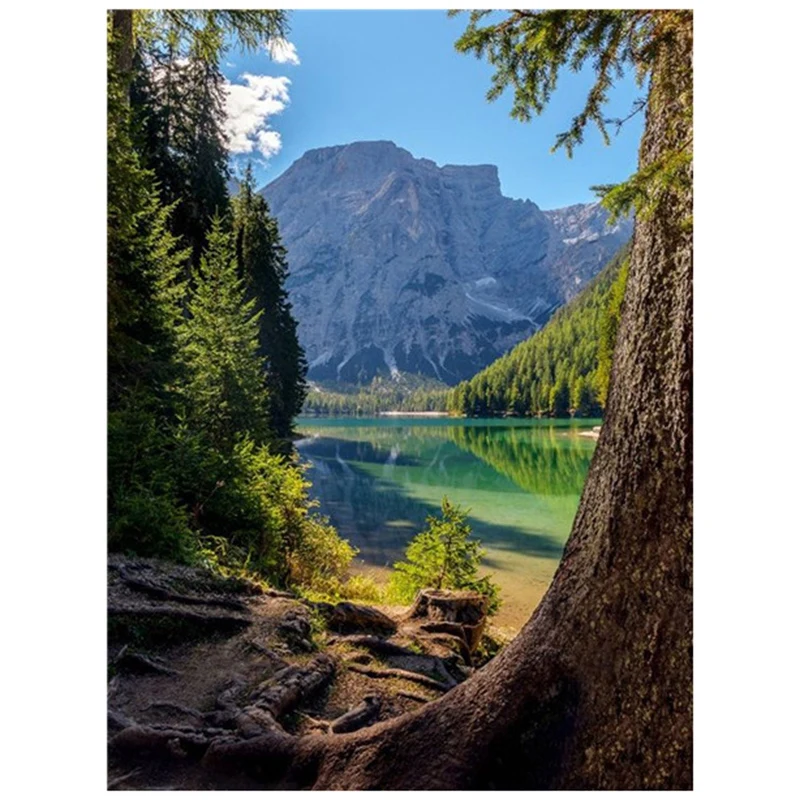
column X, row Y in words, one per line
column 122, row 24
column 595, row 692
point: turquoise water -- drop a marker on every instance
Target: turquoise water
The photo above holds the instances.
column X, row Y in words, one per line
column 377, row 479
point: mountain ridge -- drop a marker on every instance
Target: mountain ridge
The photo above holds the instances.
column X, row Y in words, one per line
column 397, row 264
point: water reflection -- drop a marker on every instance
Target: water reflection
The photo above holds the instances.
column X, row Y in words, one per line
column 378, row 481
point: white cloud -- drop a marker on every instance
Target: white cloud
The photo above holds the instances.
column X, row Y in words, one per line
column 249, row 107
column 282, row 51
column 269, row 143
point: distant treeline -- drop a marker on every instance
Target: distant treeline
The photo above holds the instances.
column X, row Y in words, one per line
column 536, row 459
column 562, row 370
column 403, row 393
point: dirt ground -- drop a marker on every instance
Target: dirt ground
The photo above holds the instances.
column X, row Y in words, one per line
column 195, row 660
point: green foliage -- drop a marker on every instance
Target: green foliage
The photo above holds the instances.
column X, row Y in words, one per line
column 363, row 588
column 256, row 515
column 144, row 266
column 224, row 387
column 179, row 107
column 443, row 556
column 261, row 260
column 211, row 32
column 319, row 558
column 558, row 371
column 530, row 49
column 193, row 473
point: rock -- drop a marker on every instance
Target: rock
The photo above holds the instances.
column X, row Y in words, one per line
column 396, row 263
column 353, row 618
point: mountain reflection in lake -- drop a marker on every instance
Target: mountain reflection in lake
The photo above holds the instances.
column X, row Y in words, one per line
column 378, row 479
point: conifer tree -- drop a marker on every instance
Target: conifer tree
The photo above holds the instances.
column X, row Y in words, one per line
column 144, row 263
column 443, row 556
column 224, row 387
column 262, row 264
column 144, row 296
column 177, row 94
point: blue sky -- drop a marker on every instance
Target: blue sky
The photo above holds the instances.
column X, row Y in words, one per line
column 366, row 75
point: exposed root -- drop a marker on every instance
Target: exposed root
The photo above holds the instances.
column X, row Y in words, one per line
column 354, row 618
column 287, row 688
column 420, row 698
column 210, row 622
column 161, row 593
column 123, row 778
column 362, row 716
column 136, row 662
column 374, row 644
column 176, row 708
column 422, row 680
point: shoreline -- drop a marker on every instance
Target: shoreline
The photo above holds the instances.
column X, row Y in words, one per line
column 413, row 414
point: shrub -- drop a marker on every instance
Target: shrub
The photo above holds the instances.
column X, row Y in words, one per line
column 319, row 558
column 443, row 556
column 151, row 524
column 363, row 588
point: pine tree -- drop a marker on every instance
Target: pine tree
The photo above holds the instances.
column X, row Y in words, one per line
column 443, row 556
column 144, row 263
column 224, row 387
column 144, row 297
column 205, row 154
column 262, row 264
column 177, row 94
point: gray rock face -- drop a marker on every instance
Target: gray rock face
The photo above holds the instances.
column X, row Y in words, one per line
column 396, row 263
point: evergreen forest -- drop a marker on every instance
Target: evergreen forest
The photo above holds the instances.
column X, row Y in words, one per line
column 205, row 372
column 562, row 370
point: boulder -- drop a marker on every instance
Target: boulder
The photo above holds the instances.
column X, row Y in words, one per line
column 353, row 618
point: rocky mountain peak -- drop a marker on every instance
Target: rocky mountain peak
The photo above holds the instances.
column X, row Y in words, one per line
column 396, row 263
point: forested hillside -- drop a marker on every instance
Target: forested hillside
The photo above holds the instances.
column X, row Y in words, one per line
column 562, row 370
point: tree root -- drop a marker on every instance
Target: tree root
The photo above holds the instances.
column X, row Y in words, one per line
column 112, row 784
column 136, row 662
column 224, row 623
column 352, row 618
column 175, row 707
column 381, row 647
column 420, row 698
column 288, row 687
column 160, row 593
column 374, row 644
column 362, row 716
column 422, row 680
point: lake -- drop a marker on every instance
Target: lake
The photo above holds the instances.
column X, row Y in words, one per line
column 378, row 479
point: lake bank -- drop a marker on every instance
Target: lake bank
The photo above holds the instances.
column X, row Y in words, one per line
column 521, row 479
column 413, row 414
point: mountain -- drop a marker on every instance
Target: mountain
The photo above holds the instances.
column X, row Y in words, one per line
column 397, row 264
column 563, row 369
